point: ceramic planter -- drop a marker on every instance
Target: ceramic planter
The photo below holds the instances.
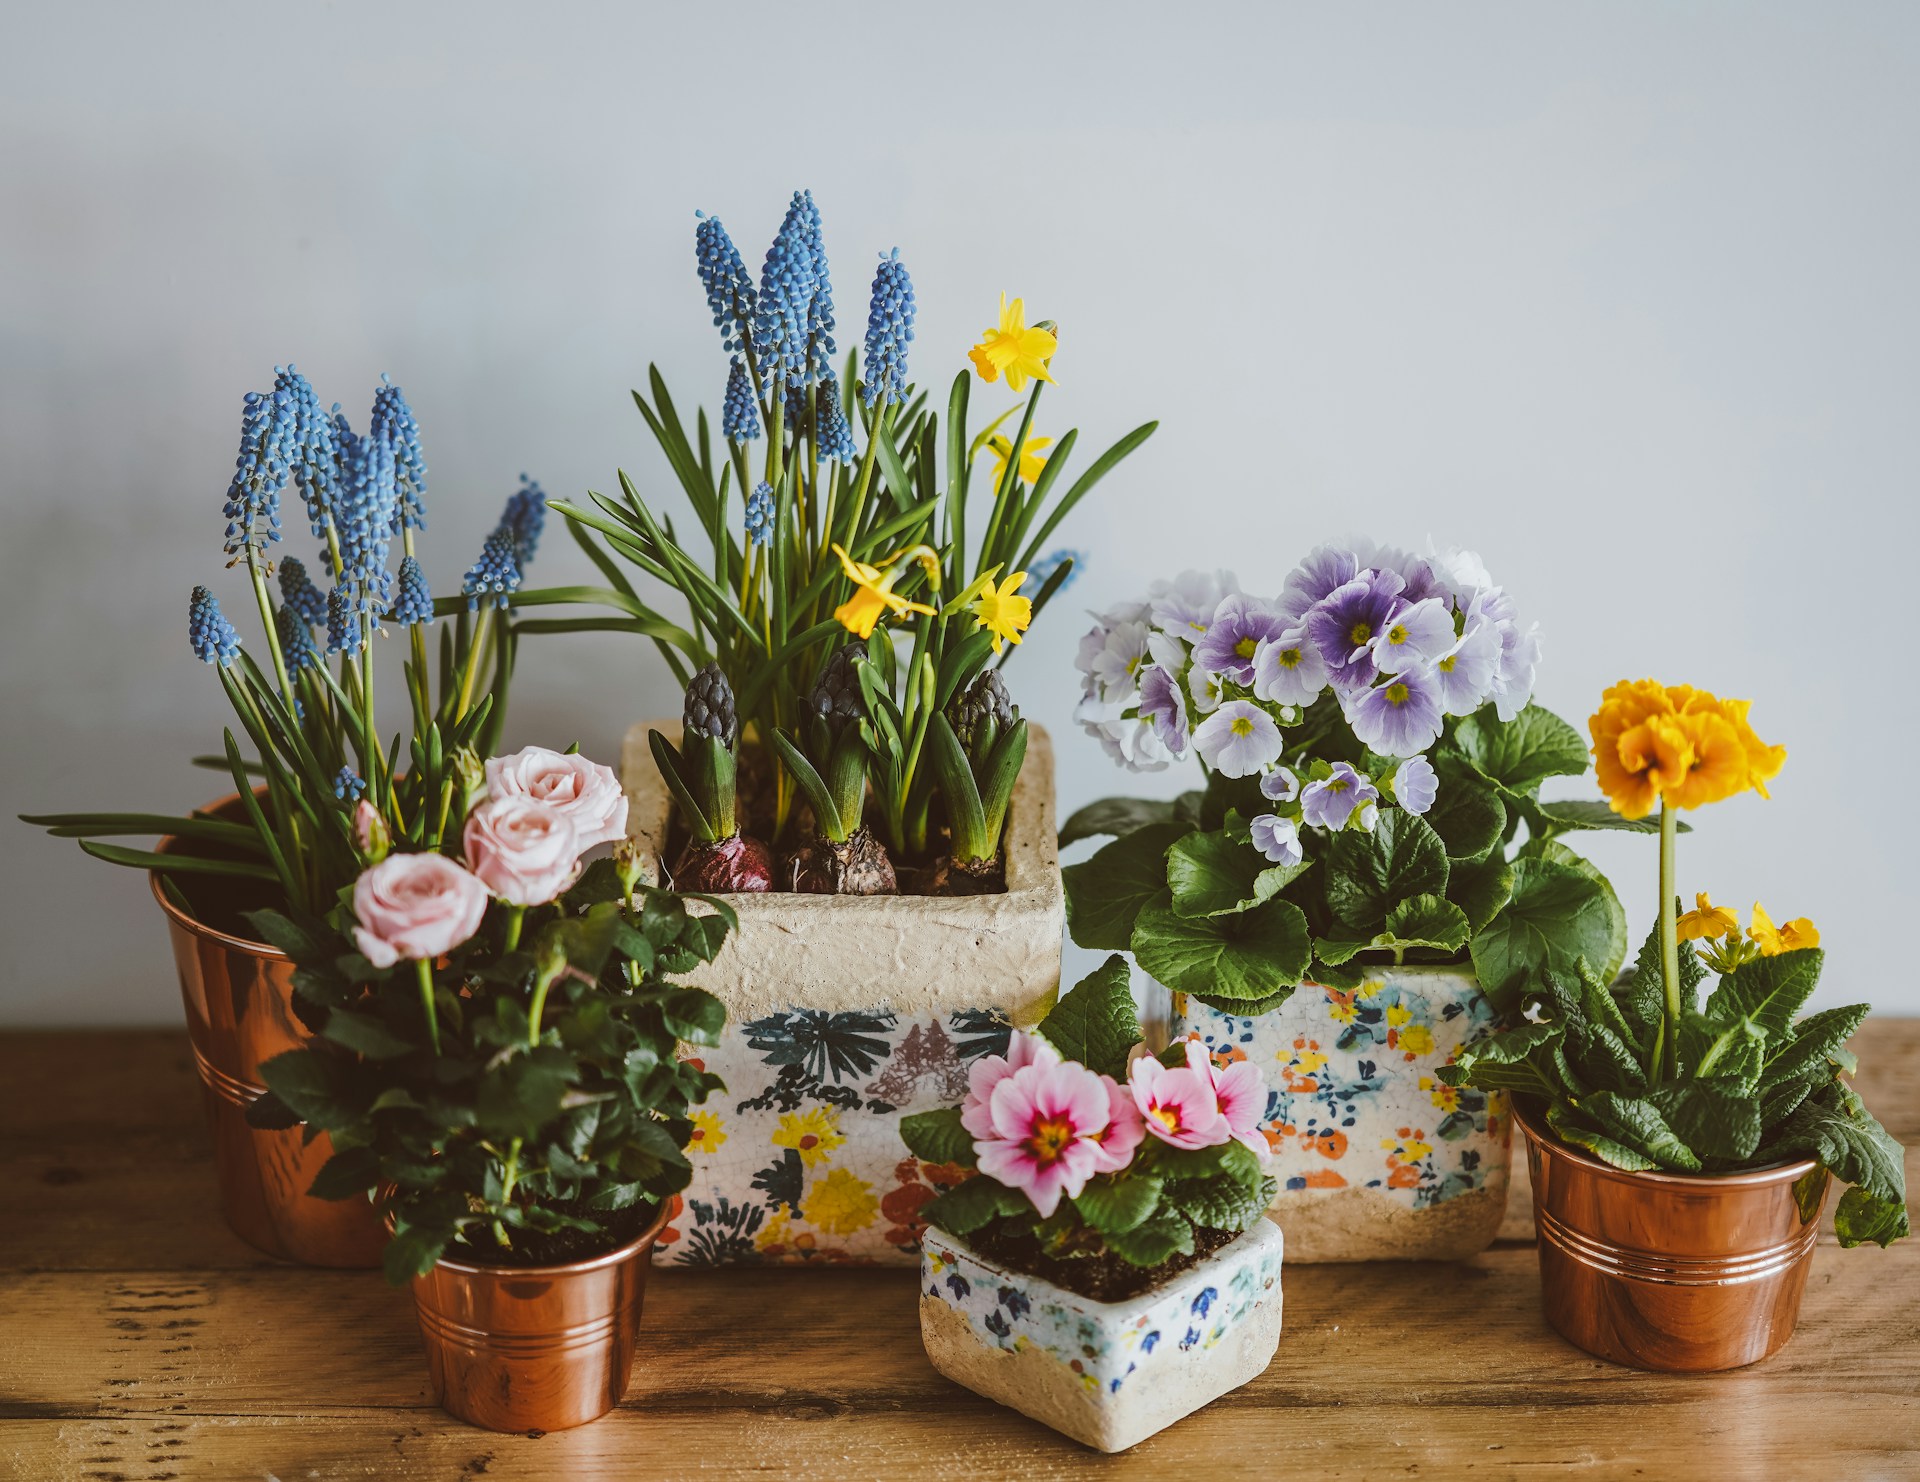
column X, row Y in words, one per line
column 1108, row 1374
column 845, row 1013
column 239, row 1003
column 1684, row 1273
column 534, row 1348
column 1376, row 1159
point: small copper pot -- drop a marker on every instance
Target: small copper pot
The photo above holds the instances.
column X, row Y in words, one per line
column 534, row 1348
column 239, row 1001
column 1684, row 1273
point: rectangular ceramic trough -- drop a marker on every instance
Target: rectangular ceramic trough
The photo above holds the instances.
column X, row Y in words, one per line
column 1108, row 1374
column 845, row 1013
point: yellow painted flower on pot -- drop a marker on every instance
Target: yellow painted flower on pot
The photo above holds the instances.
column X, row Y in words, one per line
column 708, row 1132
column 813, row 1134
column 1013, row 349
column 841, row 1203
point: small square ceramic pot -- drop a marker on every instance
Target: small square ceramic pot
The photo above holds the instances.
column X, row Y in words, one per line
column 1108, row 1374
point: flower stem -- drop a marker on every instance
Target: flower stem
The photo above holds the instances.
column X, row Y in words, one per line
column 516, row 917
column 507, row 1181
column 1669, row 941
column 472, row 665
column 273, row 633
column 424, row 970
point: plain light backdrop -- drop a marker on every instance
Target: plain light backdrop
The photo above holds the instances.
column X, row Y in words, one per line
column 1622, row 296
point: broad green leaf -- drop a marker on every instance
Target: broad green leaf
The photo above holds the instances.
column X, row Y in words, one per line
column 1247, row 1008
column 1467, row 815
column 1252, row 955
column 1638, row 1123
column 1815, row 1041
column 1115, row 1205
column 1095, row 1021
column 1480, row 888
column 1507, row 1061
column 311, row 1084
column 1569, row 1129
column 1222, row 1202
column 1370, row 873
column 1607, row 968
column 1430, row 921
column 1210, row 874
column 1596, row 813
column 1713, row 1118
column 518, row 1097
column 1154, row 1242
column 1768, row 990
column 412, row 1252
column 1521, row 753
column 967, row 1206
column 1838, row 1130
column 1114, row 816
column 1105, row 894
column 348, row 1174
column 1862, row 1216
column 1556, row 916
column 364, row 1035
column 1335, row 950
column 938, row 1137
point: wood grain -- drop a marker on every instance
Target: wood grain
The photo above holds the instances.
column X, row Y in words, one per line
column 141, row 1341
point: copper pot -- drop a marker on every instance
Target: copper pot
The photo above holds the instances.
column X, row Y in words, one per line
column 239, row 1001
column 1684, row 1273
column 526, row 1348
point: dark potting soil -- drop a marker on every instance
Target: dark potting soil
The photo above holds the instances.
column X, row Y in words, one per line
column 1104, row 1277
column 557, row 1247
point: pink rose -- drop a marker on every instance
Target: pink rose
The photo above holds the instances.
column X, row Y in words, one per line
column 522, row 850
column 415, row 906
column 588, row 793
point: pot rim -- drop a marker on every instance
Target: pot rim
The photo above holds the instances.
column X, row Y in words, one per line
column 180, row 918
column 613, row 1257
column 1774, row 1173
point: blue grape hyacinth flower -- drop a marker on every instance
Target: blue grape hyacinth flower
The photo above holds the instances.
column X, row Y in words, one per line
column 296, row 640
column 787, row 281
column 889, row 332
column 212, row 636
column 414, row 602
column 300, row 595
column 730, row 295
column 316, row 458
column 759, row 513
column 830, row 431
column 739, row 414
column 364, row 517
column 348, row 785
column 525, row 517
column 394, row 424
column 495, row 574
column 820, row 346
column 343, row 622
column 260, row 471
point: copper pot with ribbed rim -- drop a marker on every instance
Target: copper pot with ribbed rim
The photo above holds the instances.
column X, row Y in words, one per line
column 1683, row 1273
column 239, row 1001
column 520, row 1348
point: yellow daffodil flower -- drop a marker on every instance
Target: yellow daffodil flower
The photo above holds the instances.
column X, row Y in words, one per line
column 873, row 595
column 1032, row 462
column 1001, row 612
column 1707, row 920
column 1789, row 936
column 1013, row 349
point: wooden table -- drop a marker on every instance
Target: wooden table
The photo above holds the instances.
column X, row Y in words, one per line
column 140, row 1340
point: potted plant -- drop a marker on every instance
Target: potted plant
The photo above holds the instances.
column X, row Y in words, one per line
column 1349, row 900
column 496, row 1056
column 850, row 771
column 1102, row 1263
column 1682, row 1150
column 309, row 755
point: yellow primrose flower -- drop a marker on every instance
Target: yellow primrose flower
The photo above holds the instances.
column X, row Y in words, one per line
column 841, row 1203
column 1001, row 612
column 873, row 595
column 708, row 1133
column 1789, row 936
column 1013, row 348
column 813, row 1134
column 1707, row 920
column 1032, row 462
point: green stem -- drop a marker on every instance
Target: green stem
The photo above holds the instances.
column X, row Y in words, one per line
column 516, row 918
column 472, row 665
column 1669, row 940
column 273, row 633
column 507, row 1181
column 424, row 971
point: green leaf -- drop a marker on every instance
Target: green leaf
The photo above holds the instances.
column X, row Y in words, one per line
column 348, row 1174
column 280, row 930
column 1861, row 1217
column 1106, row 893
column 1481, row 888
column 413, row 1251
column 1430, row 921
column 1114, row 816
column 1211, row 875
column 1638, row 1123
column 1095, row 1021
column 1768, row 990
column 1335, row 950
column 1556, row 916
column 1713, row 1118
column 1847, row 1139
column 364, row 1035
column 1521, row 753
column 693, row 1016
column 1115, row 1205
column 1157, row 1240
column 1369, row 873
column 1222, row 1202
column 520, row 1096
column 1595, row 813
column 967, row 1206
column 938, row 1137
column 1249, row 1008
column 1568, row 1129
column 1508, row 1061
column 309, row 1083
column 1249, row 956
column 1467, row 815
column 1815, row 1041
column 1608, row 966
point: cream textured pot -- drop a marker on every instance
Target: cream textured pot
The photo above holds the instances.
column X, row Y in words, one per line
column 1376, row 1159
column 845, row 1013
column 1109, row 1374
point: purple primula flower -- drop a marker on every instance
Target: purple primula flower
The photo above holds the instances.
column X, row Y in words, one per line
column 1129, row 741
column 1238, row 740
column 1325, row 569
column 1466, row 675
column 1462, row 573
column 1277, row 838
column 1366, row 816
column 1329, row 802
column 1415, row 784
column 1185, row 606
column 1398, row 717
column 1417, row 572
column 1280, row 785
column 1418, row 634
column 1519, row 656
column 1240, row 625
column 1288, row 670
column 1344, row 623
column 1112, row 665
column 1163, row 702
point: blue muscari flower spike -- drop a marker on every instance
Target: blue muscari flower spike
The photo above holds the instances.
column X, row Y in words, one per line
column 831, row 433
column 343, row 626
column 364, row 514
column 315, row 457
column 414, row 604
column 298, row 593
column 820, row 345
column 889, row 332
column 740, row 415
column 760, row 513
column 260, row 471
column 730, row 294
column 787, row 282
column 212, row 636
column 393, row 423
column 525, row 517
column 1044, row 568
column 495, row 574
column 296, row 640
column 348, row 786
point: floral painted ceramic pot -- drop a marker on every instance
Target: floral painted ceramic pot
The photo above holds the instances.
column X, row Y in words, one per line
column 1376, row 1159
column 1108, row 1374
column 844, row 1014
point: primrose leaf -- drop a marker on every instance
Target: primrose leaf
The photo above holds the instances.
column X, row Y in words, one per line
column 1105, row 894
column 1222, row 1202
column 1568, row 1129
column 1556, row 916
column 1095, row 1021
column 1862, row 1216
column 1713, row 1118
column 1768, row 990
column 1155, row 1241
column 1210, row 874
column 1596, row 813
column 1430, row 921
column 1369, row 873
column 1521, row 753
column 1816, row 1041
column 938, row 1137
column 1467, row 815
column 1481, row 888
column 1119, row 816
column 1115, row 1205
column 1251, row 955
column 1638, row 1123
column 973, row 1203
column 1507, row 1061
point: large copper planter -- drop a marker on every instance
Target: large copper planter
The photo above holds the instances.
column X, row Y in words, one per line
column 1684, row 1273
column 519, row 1348
column 239, row 1002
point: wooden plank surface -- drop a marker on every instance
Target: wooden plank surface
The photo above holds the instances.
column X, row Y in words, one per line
column 140, row 1340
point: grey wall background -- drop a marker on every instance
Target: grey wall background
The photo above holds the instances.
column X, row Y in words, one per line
column 1621, row 296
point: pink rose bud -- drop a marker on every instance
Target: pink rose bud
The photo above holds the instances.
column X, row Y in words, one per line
column 415, row 906
column 524, row 851
column 588, row 793
column 370, row 834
